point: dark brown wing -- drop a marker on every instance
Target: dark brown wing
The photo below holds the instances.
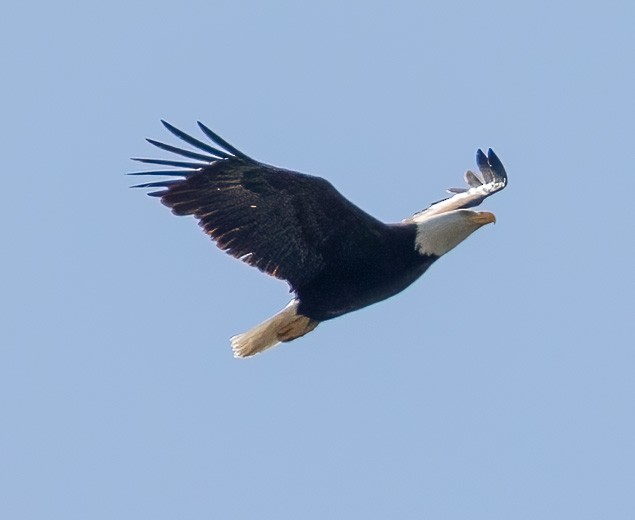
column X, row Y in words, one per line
column 287, row 224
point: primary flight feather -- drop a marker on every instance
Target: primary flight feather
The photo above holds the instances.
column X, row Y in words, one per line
column 336, row 257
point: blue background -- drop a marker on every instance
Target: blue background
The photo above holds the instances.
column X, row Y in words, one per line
column 498, row 386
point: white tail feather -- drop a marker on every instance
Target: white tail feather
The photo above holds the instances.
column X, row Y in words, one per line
column 287, row 325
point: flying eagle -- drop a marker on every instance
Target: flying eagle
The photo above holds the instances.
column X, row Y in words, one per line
column 335, row 257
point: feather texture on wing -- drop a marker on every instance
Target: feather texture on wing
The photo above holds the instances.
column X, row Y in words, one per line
column 277, row 220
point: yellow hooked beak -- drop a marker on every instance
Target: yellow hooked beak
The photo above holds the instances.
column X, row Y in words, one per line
column 484, row 217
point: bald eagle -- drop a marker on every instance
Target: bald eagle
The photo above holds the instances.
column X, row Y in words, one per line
column 335, row 257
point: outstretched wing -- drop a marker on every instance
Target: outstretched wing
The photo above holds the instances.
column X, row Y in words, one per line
column 280, row 221
column 493, row 178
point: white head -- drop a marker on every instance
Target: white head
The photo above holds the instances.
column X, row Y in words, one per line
column 438, row 234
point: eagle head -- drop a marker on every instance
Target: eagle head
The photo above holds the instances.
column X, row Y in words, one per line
column 438, row 234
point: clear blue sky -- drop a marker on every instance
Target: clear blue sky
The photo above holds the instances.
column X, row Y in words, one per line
column 501, row 385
